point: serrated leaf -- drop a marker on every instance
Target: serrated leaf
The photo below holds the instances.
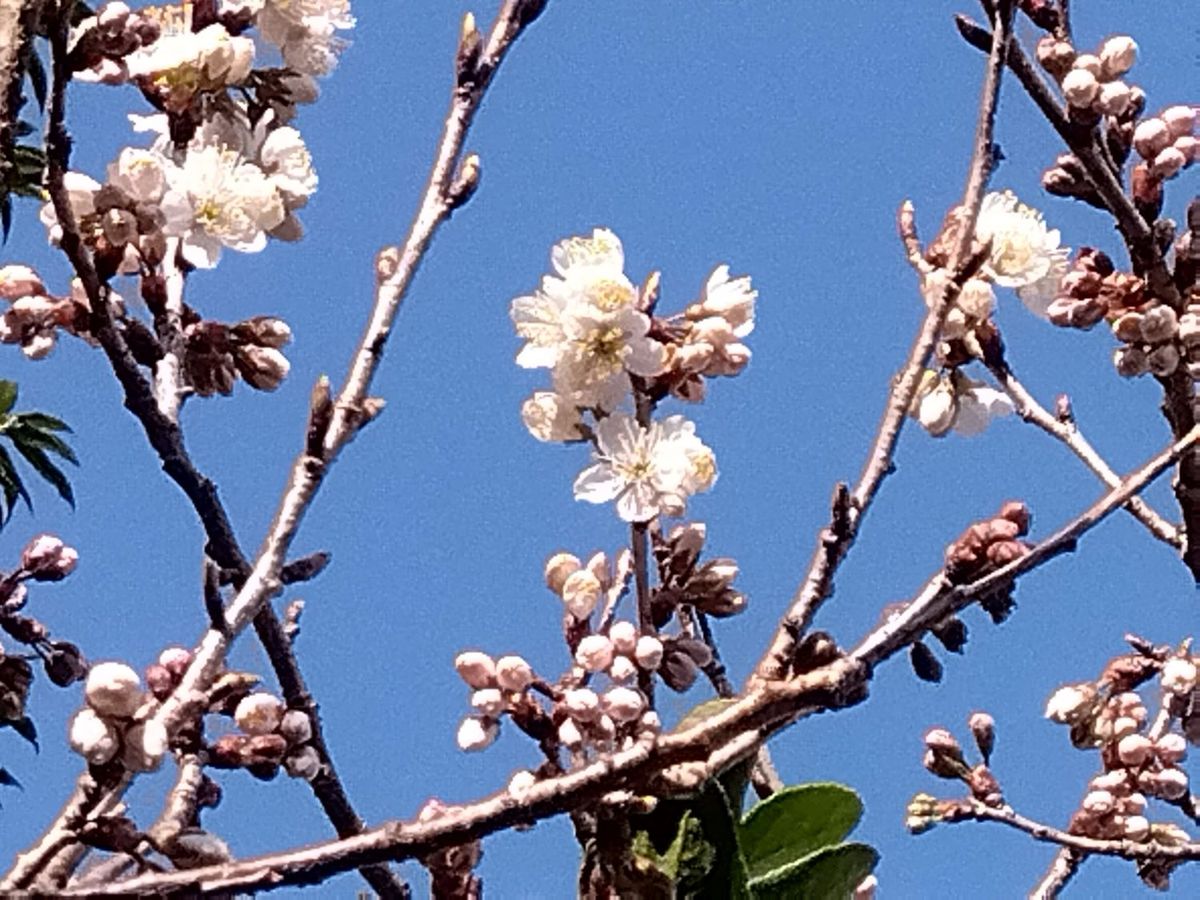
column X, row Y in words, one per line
column 829, row 874
column 8, row 395
column 796, row 822
column 41, row 464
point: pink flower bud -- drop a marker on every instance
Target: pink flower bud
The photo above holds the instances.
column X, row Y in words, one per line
column 1134, row 804
column 475, row 734
column 1188, row 146
column 112, row 15
column 1116, row 782
column 649, row 652
column 1137, row 828
column 624, row 636
column 1087, row 62
column 1168, row 163
column 93, row 737
column 47, row 558
column 19, row 281
column 622, row 669
column 175, row 660
column 1180, row 120
column 1171, row 748
column 582, row 704
column 569, row 734
column 1134, row 749
column 259, row 713
column 520, row 784
column 1179, row 676
column 624, row 704
column 1170, row 784
column 113, row 689
column 605, row 728
column 1124, row 725
column 650, row 723
column 296, row 727
column 558, row 568
column 581, row 593
column 1080, row 87
column 304, row 763
column 1117, row 56
column 594, row 653
column 477, row 669
column 1114, row 98
column 1098, row 802
column 1151, row 137
column 488, row 701
column 513, row 673
column 145, row 745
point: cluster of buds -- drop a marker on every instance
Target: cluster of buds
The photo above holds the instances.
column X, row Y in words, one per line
column 218, row 353
column 1167, row 144
column 271, row 735
column 1091, row 82
column 622, row 653
column 115, row 725
column 944, row 758
column 498, row 686
column 604, row 721
column 683, row 581
column 709, row 341
column 99, row 44
column 45, row 558
column 34, row 316
column 951, row 401
column 988, row 544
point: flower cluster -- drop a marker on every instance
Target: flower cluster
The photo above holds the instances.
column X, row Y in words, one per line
column 218, row 353
column 35, row 317
column 271, row 735
column 1092, row 83
column 606, row 349
column 1167, row 144
column 115, row 724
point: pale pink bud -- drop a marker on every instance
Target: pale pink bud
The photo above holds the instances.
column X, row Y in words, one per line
column 259, row 713
column 1134, row 804
column 1180, row 120
column 598, row 566
column 977, row 299
column 488, row 701
column 622, row 669
column 1124, row 725
column 1171, row 784
column 1137, row 828
column 113, row 689
column 521, row 783
column 1117, row 56
column 1171, row 748
column 624, row 704
column 1087, row 62
column 1168, row 163
column 942, row 741
column 93, row 737
column 649, row 652
column 569, row 734
column 624, row 636
column 650, row 723
column 1098, row 802
column 1179, row 675
column 47, row 558
column 477, row 669
column 38, row 346
column 1151, row 137
column 594, row 653
column 1116, row 781
column 304, row 763
column 1114, row 98
column 264, row 368
column 175, row 660
column 18, row 281
column 605, row 728
column 558, row 568
column 582, row 704
column 475, row 734
column 1080, row 87
column 513, row 673
column 296, row 727
column 145, row 745
column 581, row 593
column 1134, row 749
column 866, row 889
column 1189, row 147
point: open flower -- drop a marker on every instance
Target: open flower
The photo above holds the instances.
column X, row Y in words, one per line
column 600, row 351
column 647, row 471
column 306, row 32
column 1025, row 254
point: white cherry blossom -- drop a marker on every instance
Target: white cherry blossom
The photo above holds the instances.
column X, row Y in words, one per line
column 1025, row 254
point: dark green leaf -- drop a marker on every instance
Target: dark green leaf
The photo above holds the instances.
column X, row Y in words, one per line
column 5, row 213
column 37, row 77
column 728, row 878
column 829, row 874
column 26, row 729
column 795, row 822
column 688, row 852
column 7, row 779
column 50, row 472
column 10, row 479
column 43, row 440
column 43, row 422
column 8, row 396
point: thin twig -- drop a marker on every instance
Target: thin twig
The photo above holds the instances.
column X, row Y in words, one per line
column 836, row 541
column 1061, row 870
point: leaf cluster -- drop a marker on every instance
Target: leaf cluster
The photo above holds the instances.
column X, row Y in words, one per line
column 35, row 436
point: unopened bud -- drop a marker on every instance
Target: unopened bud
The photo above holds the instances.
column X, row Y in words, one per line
column 624, row 704
column 1179, row 676
column 263, row 368
column 513, row 673
column 1151, row 137
column 520, row 784
column 622, row 669
column 983, row 729
column 1117, row 56
column 1169, row 163
column 649, row 652
column 1180, row 120
column 1170, row 748
column 594, row 653
column 259, row 713
column 475, row 734
column 477, row 669
column 145, row 745
column 1071, row 703
column 1080, row 88
column 559, row 568
column 488, row 701
column 93, row 737
column 304, row 763
column 296, row 727
column 47, row 558
column 113, row 689
column 581, row 593
column 1114, row 98
column 1135, row 749
column 624, row 636
column 582, row 704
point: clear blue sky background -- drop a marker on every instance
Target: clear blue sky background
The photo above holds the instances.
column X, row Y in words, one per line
column 778, row 137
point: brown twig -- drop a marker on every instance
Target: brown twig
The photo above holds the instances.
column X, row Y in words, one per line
column 835, row 541
column 1061, row 870
column 673, row 762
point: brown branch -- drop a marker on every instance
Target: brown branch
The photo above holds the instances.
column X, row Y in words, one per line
column 835, row 541
column 673, row 762
column 1062, row 869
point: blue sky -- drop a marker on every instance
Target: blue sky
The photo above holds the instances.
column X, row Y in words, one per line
column 776, row 137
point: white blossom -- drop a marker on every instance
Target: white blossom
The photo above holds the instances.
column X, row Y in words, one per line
column 1070, row 703
column 286, row 161
column 93, row 737
column 305, row 32
column 978, row 404
column 548, row 417
column 182, row 63
column 1025, row 254
column 475, row 734
column 81, row 196
column 647, row 471
column 113, row 689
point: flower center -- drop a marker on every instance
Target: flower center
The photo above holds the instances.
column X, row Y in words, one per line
column 609, row 295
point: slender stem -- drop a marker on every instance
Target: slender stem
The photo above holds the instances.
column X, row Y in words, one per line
column 1061, row 870
column 168, row 372
column 836, row 540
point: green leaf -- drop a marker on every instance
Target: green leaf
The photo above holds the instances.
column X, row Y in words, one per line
column 8, row 396
column 43, row 440
column 728, row 878
column 829, row 874
column 37, row 458
column 688, row 853
column 795, row 822
column 702, row 711
column 10, row 480
column 43, row 422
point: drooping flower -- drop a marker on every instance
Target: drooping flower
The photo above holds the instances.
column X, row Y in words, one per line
column 956, row 402
column 306, row 32
column 647, row 471
column 1025, row 254
column 182, row 63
